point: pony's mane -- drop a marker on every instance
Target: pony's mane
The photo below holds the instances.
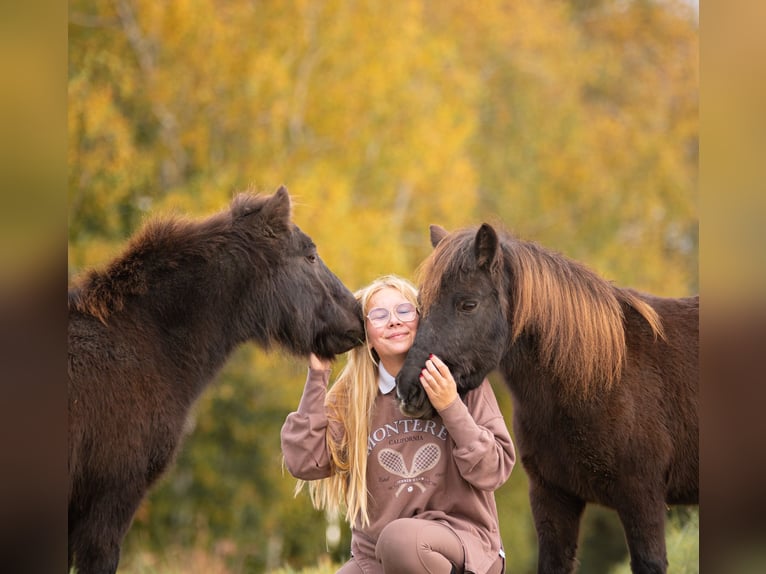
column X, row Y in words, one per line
column 161, row 243
column 574, row 315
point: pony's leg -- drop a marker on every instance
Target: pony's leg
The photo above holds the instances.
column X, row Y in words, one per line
column 557, row 521
column 97, row 538
column 645, row 533
column 94, row 555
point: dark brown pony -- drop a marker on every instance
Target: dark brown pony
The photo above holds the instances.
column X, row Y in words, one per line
column 604, row 382
column 149, row 332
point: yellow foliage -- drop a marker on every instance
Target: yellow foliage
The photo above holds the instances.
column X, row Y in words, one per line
column 573, row 124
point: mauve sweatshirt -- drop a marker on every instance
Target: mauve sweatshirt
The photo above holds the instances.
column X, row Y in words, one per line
column 445, row 469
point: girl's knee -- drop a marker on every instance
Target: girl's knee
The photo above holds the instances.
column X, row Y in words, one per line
column 397, row 546
column 412, row 545
column 399, row 533
column 395, row 543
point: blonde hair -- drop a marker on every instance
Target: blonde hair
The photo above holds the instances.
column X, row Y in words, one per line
column 349, row 405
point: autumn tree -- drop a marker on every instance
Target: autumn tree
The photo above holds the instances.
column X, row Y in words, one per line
column 573, row 123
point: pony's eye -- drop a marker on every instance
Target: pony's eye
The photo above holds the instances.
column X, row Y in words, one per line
column 312, row 258
column 468, row 305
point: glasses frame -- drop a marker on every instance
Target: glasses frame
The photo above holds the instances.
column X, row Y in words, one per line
column 377, row 323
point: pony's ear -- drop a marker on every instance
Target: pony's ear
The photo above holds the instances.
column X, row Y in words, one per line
column 437, row 234
column 486, row 245
column 275, row 213
column 277, row 207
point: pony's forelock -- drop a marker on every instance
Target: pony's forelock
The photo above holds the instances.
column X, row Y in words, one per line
column 447, row 259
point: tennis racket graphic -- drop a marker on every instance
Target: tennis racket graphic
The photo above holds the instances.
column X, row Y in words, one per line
column 425, row 458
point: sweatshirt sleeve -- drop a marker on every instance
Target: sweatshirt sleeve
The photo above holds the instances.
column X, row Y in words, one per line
column 484, row 451
column 303, row 435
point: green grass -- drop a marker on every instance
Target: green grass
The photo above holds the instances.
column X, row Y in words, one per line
column 190, row 561
column 325, row 569
column 682, row 539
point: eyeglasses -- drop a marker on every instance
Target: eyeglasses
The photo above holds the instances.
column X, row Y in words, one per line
column 405, row 312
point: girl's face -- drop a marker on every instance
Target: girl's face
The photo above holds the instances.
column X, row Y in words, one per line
column 393, row 337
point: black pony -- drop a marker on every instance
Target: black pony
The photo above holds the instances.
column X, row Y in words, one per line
column 604, row 382
column 151, row 331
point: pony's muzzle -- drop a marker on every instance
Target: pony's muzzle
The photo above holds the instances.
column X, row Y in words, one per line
column 416, row 404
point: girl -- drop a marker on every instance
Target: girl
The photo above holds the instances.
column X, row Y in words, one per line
column 419, row 494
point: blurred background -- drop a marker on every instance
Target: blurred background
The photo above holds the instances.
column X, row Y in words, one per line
column 572, row 123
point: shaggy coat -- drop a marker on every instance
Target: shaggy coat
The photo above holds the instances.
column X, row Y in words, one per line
column 604, row 382
column 150, row 331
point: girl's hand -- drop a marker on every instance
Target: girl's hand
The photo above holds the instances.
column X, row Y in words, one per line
column 438, row 383
column 318, row 364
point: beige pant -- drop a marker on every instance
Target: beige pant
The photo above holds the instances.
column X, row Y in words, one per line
column 413, row 546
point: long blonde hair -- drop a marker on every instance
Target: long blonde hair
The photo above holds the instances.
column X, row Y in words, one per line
column 349, row 404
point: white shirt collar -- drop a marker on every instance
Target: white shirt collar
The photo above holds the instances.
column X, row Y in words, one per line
column 386, row 381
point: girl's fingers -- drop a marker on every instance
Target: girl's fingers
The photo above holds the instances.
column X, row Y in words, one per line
column 439, row 388
column 435, row 364
column 432, row 373
column 424, row 374
column 439, row 365
column 319, row 364
column 432, row 367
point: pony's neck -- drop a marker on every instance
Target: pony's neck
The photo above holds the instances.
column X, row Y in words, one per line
column 529, row 381
column 192, row 314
